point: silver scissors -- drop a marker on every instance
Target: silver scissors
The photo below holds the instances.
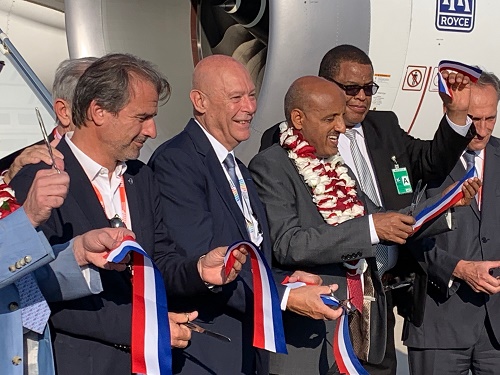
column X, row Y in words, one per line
column 46, row 139
column 196, row 328
column 417, row 196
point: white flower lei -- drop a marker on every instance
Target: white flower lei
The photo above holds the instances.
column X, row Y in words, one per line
column 329, row 181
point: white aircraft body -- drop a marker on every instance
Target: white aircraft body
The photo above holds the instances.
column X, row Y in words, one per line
column 278, row 41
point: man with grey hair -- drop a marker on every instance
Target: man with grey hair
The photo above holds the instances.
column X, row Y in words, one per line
column 114, row 106
column 461, row 325
column 67, row 74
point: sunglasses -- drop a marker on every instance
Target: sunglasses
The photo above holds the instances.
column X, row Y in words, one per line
column 352, row 90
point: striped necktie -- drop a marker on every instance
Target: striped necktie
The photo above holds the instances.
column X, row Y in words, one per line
column 367, row 186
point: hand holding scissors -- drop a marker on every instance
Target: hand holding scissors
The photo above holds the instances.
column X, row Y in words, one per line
column 46, row 139
column 417, row 196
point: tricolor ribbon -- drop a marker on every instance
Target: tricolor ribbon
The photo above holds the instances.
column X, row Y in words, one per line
column 268, row 332
column 470, row 71
column 152, row 354
column 345, row 358
column 448, row 200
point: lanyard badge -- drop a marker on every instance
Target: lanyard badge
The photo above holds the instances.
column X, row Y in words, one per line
column 401, row 178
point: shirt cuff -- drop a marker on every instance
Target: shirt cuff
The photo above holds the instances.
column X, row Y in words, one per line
column 373, row 233
column 460, row 129
column 450, row 283
column 92, row 277
column 284, row 300
column 448, row 216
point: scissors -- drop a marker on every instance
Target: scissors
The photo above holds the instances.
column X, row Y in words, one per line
column 196, row 328
column 417, row 196
column 46, row 139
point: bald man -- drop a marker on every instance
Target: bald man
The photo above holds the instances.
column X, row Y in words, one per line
column 205, row 207
column 320, row 221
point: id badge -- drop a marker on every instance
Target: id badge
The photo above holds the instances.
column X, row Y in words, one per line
column 402, row 180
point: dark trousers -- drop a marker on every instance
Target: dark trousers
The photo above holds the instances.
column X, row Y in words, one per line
column 483, row 358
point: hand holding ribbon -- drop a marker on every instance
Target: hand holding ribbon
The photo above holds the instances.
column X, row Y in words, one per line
column 454, row 79
column 345, row 358
column 212, row 267
column 456, row 195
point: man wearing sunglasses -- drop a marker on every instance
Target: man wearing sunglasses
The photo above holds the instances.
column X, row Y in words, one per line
column 381, row 155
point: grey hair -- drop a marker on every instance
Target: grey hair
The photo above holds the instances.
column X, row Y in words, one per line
column 67, row 74
column 107, row 81
column 489, row 79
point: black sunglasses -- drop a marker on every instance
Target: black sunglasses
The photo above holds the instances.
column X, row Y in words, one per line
column 352, row 90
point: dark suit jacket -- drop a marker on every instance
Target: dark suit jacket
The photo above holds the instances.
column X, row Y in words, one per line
column 202, row 215
column 302, row 239
column 85, row 329
column 424, row 159
column 454, row 317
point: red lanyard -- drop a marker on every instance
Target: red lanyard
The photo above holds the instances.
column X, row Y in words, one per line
column 123, row 199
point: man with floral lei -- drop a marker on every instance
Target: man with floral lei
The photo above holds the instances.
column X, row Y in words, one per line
column 321, row 221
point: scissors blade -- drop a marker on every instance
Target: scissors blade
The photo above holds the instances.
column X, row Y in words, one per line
column 414, row 200
column 196, row 328
column 421, row 194
column 46, row 139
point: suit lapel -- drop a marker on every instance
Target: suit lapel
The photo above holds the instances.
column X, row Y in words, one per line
column 81, row 191
column 210, row 160
column 133, row 204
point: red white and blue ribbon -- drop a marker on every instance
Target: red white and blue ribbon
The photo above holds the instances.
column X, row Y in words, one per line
column 345, row 358
column 268, row 332
column 470, row 71
column 150, row 349
column 450, row 198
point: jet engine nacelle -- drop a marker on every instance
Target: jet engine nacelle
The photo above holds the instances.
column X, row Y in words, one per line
column 281, row 40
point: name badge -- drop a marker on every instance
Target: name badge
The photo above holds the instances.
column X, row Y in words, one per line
column 402, row 180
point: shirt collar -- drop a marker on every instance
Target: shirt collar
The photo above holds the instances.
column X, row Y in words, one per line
column 90, row 167
column 219, row 149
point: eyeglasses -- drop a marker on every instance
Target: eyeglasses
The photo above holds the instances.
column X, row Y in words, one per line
column 352, row 90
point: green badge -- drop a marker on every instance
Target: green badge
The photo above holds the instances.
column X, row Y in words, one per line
column 402, row 180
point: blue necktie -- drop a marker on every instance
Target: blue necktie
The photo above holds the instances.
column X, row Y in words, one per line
column 470, row 159
column 230, row 167
column 34, row 309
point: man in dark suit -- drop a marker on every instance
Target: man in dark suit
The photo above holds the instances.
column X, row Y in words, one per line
column 205, row 207
column 317, row 221
column 114, row 106
column 386, row 149
column 461, row 325
column 65, row 80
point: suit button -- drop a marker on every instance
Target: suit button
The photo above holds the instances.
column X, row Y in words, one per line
column 484, row 240
column 13, row 306
column 16, row 360
column 22, row 262
column 342, row 257
column 28, row 258
column 12, row 268
column 359, row 253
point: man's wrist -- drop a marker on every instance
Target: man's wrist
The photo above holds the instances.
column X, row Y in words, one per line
column 199, row 266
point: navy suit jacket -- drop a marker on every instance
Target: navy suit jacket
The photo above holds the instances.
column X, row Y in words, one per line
column 201, row 214
column 85, row 329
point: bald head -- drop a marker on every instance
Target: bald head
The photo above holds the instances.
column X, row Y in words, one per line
column 305, row 91
column 315, row 107
column 223, row 98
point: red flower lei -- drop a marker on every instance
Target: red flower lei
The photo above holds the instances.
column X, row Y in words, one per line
column 8, row 202
column 334, row 192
